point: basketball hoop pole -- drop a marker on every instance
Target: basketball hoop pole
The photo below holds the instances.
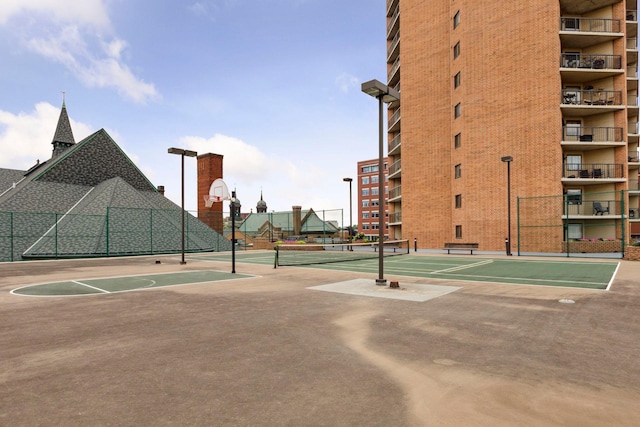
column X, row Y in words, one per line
column 233, row 232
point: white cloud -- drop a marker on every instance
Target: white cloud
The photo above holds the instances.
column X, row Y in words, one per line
column 346, row 82
column 86, row 12
column 26, row 137
column 72, row 33
column 243, row 162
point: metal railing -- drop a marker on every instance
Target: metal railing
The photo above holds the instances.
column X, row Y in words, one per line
column 591, row 25
column 395, row 217
column 394, row 118
column 395, row 167
column 395, row 142
column 591, row 61
column 591, row 97
column 592, row 134
column 593, row 170
column 395, row 192
column 592, row 207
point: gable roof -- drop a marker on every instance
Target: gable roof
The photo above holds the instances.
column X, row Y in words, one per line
column 255, row 223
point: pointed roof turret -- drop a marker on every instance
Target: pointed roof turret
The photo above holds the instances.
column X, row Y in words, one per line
column 63, row 138
column 261, row 207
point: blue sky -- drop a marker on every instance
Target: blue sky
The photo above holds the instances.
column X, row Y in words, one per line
column 273, row 85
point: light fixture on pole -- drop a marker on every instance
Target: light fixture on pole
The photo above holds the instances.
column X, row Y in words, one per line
column 508, row 160
column 384, row 94
column 181, row 152
column 350, row 180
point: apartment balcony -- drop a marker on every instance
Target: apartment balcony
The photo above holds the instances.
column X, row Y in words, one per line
column 580, row 68
column 394, row 121
column 392, row 5
column 634, row 187
column 592, row 209
column 632, row 77
column 394, row 146
column 393, row 76
column 393, row 49
column 593, row 173
column 395, row 218
column 633, row 132
column 393, row 23
column 633, row 156
column 580, row 7
column 632, row 23
column 587, row 102
column 592, row 137
column 632, row 50
column 579, row 32
column 394, row 170
column 395, row 194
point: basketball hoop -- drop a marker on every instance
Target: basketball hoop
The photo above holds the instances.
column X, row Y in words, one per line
column 217, row 193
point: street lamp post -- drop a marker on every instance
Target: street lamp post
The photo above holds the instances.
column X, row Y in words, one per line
column 181, row 152
column 508, row 160
column 350, row 180
column 232, row 205
column 384, row 94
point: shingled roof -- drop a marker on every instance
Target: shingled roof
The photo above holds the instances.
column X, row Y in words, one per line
column 90, row 199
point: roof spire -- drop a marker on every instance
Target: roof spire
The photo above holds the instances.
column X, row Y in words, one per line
column 63, row 138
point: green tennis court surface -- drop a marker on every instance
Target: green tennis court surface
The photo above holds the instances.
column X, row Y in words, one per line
column 568, row 273
column 125, row 283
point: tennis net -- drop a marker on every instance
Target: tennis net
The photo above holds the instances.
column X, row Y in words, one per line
column 308, row 253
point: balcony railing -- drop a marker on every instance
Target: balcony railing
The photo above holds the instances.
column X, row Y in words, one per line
column 590, row 25
column 395, row 192
column 591, row 97
column 589, row 61
column 632, row 15
column 592, row 134
column 592, row 207
column 593, row 170
column 395, row 167
column 632, row 43
column 395, row 217
column 394, row 119
column 634, row 185
column 632, row 71
column 395, row 142
column 633, row 156
column 633, row 128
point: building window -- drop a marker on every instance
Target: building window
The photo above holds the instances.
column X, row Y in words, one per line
column 374, row 179
column 365, row 226
column 374, row 191
column 375, row 226
column 365, row 191
column 458, row 232
column 574, row 162
column 456, row 80
column 458, row 110
column 375, row 214
column 456, row 50
column 574, row 196
column 456, row 20
column 365, row 203
column 458, row 171
column 457, row 140
column 365, row 215
column 574, row 231
column 458, row 201
column 365, row 180
column 375, row 203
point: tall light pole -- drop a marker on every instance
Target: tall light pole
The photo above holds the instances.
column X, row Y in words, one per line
column 350, row 180
column 232, row 206
column 508, row 160
column 384, row 94
column 181, row 152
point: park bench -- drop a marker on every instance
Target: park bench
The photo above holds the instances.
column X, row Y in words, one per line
column 460, row 246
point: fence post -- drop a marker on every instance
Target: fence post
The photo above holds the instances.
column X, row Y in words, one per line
column 518, row 223
column 623, row 226
column 11, row 234
column 107, row 231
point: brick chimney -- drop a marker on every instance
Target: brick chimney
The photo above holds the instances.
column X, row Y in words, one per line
column 297, row 220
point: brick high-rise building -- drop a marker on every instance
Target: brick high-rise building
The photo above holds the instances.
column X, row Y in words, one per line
column 368, row 199
column 551, row 83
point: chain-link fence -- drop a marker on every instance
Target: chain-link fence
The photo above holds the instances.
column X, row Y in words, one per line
column 572, row 224
column 121, row 231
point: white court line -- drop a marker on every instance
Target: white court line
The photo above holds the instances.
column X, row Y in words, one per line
column 613, row 277
column 89, row 286
column 463, row 267
column 525, row 279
